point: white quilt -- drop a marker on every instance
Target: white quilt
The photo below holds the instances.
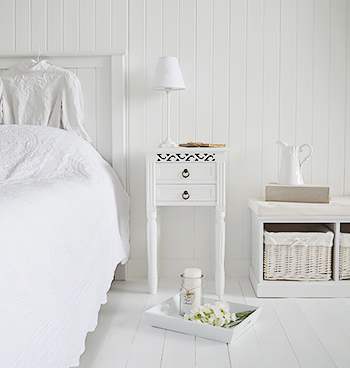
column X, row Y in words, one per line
column 61, row 236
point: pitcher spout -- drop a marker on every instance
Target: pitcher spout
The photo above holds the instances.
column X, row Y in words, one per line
column 283, row 144
column 287, row 149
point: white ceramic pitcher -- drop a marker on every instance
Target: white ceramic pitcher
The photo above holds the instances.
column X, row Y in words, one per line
column 290, row 170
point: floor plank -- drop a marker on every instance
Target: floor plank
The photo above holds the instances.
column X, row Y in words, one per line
column 209, row 352
column 333, row 338
column 117, row 345
column 303, row 339
column 339, row 308
column 274, row 344
column 95, row 339
column 290, row 333
column 179, row 351
column 148, row 345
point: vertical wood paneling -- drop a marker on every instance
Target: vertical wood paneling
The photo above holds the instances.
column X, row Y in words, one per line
column 7, row 26
column 304, row 80
column 23, row 25
column 203, row 232
column 168, row 236
column 254, row 95
column 87, row 24
column 55, row 25
column 186, row 230
column 188, row 57
column 347, row 122
column 320, row 120
column 170, row 27
column 119, row 25
column 337, row 96
column 237, row 131
column 153, row 113
column 270, row 109
column 253, row 147
column 103, row 25
column 288, row 77
column 204, row 112
column 191, row 241
column 204, row 77
column 63, row 25
column 221, row 51
column 170, row 46
column 70, row 25
column 39, row 24
column 137, row 104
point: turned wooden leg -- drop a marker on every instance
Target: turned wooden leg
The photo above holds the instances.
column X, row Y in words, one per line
column 152, row 252
column 219, row 252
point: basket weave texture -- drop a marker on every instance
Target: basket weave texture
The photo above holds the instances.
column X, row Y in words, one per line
column 344, row 257
column 298, row 255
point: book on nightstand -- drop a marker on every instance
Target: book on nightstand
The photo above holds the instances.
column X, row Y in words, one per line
column 306, row 193
column 200, row 144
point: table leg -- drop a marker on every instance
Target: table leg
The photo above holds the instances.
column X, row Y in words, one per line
column 219, row 252
column 152, row 251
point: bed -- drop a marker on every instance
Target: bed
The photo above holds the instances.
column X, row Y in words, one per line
column 63, row 231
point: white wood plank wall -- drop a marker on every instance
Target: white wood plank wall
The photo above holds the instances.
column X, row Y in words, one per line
column 256, row 71
column 63, row 25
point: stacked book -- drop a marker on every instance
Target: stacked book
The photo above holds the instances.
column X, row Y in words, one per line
column 307, row 193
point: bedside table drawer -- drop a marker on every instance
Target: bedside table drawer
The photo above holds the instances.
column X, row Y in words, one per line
column 185, row 172
column 185, row 194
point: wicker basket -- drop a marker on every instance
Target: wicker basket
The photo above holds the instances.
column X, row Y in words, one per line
column 301, row 252
column 344, row 253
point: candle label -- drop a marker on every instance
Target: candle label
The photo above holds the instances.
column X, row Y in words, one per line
column 188, row 298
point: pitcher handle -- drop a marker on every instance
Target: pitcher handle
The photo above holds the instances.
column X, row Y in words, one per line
column 309, row 155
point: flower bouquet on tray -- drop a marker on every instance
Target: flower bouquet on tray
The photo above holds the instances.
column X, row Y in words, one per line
column 215, row 320
column 217, row 314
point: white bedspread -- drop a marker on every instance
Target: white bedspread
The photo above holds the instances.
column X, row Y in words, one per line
column 61, row 237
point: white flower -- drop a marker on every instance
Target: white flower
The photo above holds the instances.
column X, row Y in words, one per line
column 217, row 314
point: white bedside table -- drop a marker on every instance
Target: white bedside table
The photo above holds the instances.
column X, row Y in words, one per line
column 186, row 177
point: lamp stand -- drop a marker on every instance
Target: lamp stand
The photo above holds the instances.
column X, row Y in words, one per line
column 168, row 143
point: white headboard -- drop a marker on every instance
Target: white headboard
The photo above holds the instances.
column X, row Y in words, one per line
column 102, row 78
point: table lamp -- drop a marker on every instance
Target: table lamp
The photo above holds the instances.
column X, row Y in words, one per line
column 168, row 78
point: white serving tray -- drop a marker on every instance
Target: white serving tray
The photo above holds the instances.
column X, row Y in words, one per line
column 166, row 315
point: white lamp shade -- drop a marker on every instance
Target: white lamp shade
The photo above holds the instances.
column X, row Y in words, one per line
column 168, row 75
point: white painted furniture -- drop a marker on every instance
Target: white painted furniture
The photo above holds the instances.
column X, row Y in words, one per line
column 186, row 177
column 332, row 215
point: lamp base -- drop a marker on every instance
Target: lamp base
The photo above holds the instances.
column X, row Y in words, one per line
column 168, row 143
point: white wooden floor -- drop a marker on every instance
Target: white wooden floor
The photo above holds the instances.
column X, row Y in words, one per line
column 290, row 333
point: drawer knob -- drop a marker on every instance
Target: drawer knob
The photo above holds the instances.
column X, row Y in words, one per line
column 185, row 173
column 185, row 195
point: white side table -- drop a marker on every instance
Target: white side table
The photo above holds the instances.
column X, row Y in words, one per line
column 186, row 177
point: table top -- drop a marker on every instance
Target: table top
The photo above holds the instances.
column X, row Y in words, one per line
column 338, row 206
column 185, row 149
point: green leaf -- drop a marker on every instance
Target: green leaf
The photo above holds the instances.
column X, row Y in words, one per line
column 240, row 317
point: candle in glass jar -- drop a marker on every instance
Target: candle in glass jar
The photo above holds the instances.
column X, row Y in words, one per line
column 193, row 285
